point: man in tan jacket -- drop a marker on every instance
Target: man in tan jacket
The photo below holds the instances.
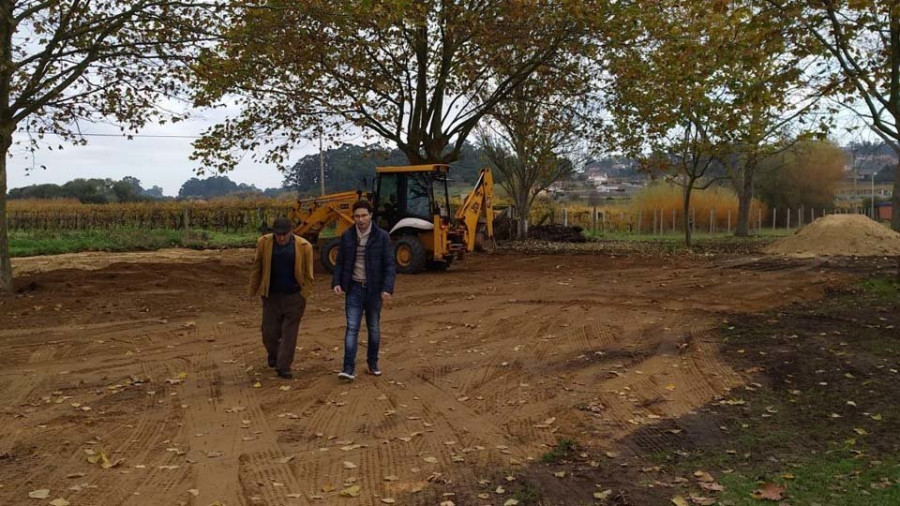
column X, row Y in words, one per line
column 282, row 276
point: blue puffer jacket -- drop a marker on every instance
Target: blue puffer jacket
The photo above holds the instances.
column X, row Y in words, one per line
column 380, row 270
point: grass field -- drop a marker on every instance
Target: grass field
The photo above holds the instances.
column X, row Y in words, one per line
column 44, row 242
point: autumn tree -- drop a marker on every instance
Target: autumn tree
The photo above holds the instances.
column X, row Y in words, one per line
column 531, row 140
column 715, row 82
column 419, row 75
column 67, row 62
column 806, row 175
column 862, row 39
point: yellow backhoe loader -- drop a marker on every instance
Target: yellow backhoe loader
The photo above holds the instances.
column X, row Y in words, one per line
column 413, row 204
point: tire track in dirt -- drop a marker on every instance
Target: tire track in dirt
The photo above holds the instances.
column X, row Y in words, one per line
column 599, row 341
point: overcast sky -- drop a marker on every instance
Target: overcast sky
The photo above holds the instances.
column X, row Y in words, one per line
column 161, row 161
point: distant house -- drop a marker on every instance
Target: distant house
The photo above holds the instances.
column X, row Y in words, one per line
column 884, row 211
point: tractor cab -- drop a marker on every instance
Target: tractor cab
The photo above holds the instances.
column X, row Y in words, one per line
column 416, row 192
column 412, row 203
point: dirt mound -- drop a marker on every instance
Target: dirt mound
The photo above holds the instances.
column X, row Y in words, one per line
column 839, row 235
column 556, row 233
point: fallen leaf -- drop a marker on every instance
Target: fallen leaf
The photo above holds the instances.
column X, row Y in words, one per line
column 860, row 431
column 39, row 494
column 679, row 501
column 768, row 492
column 702, row 501
column 560, row 474
column 285, row 460
column 430, row 460
column 602, row 495
column 391, row 477
column 349, row 465
column 284, row 387
column 704, row 476
column 511, row 502
column 59, row 502
column 257, row 385
column 388, row 500
column 712, row 487
column 350, row 491
column 194, row 492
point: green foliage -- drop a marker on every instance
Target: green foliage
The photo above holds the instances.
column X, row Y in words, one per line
column 882, row 287
column 215, row 186
column 559, row 452
column 347, row 165
column 420, row 75
column 526, row 493
column 806, row 175
column 699, row 85
column 43, row 242
column 68, row 63
column 87, row 191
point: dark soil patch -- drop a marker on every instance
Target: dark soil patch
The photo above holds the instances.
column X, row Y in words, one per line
column 821, row 404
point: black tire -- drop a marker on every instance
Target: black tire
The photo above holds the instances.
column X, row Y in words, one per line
column 438, row 266
column 328, row 253
column 409, row 254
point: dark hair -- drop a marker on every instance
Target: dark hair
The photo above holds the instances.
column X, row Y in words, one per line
column 363, row 204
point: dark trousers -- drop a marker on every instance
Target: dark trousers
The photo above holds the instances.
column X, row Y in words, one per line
column 362, row 300
column 280, row 324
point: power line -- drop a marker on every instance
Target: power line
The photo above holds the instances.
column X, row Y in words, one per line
column 145, row 136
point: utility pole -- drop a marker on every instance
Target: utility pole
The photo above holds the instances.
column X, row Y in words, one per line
column 873, row 197
column 321, row 166
column 855, row 177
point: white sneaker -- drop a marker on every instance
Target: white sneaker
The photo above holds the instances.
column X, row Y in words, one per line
column 346, row 376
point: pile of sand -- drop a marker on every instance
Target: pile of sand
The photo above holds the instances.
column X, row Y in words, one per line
column 839, row 235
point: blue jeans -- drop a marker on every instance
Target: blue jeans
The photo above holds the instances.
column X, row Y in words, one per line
column 360, row 300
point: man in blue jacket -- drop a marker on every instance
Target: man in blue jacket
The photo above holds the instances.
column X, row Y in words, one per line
column 364, row 271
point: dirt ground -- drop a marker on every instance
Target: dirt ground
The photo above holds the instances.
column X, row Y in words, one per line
column 155, row 361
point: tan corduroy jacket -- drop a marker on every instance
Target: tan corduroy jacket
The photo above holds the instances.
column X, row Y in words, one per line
column 262, row 266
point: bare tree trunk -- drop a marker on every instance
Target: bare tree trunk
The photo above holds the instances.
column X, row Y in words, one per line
column 6, row 282
column 895, row 200
column 6, row 129
column 687, row 212
column 522, row 221
column 745, row 196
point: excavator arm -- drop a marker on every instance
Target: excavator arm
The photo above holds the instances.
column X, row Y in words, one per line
column 314, row 214
column 476, row 214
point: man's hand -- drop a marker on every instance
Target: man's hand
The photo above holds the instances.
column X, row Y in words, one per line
column 338, row 290
column 385, row 297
